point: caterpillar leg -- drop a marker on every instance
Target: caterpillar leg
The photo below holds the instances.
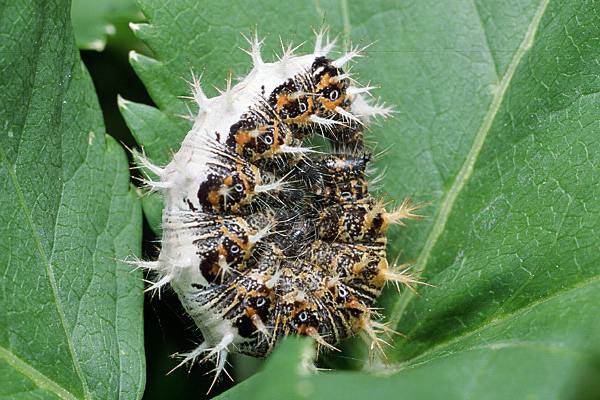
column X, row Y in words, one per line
column 220, row 361
column 218, row 354
column 189, row 357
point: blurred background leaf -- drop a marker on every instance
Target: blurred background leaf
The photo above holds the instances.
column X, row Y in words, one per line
column 95, row 20
column 71, row 319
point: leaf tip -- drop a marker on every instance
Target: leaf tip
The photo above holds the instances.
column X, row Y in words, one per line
column 134, row 27
column 97, row 45
column 110, row 29
column 122, row 103
column 133, row 55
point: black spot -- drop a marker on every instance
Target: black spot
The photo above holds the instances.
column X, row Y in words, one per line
column 321, row 62
column 206, row 266
column 190, row 205
column 245, row 326
column 355, row 312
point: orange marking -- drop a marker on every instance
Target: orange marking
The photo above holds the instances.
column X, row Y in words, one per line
column 379, row 280
column 213, row 197
column 324, row 82
column 243, row 137
column 302, row 330
column 215, row 269
column 282, row 100
column 355, row 304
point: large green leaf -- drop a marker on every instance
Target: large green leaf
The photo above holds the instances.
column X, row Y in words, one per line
column 497, row 128
column 70, row 311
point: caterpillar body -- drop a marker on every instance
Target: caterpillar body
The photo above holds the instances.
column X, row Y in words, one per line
column 264, row 237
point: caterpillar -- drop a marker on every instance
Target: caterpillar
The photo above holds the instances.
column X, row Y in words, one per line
column 264, row 236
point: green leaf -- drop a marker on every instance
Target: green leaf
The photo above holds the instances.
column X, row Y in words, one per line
column 95, row 20
column 497, row 128
column 287, row 373
column 71, row 312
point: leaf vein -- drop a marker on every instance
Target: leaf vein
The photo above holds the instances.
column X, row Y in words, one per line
column 486, row 39
column 346, row 19
column 41, row 380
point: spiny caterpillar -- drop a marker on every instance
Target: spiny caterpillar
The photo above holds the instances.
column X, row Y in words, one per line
column 264, row 237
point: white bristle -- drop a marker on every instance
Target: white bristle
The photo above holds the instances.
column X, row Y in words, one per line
column 254, row 51
column 350, row 55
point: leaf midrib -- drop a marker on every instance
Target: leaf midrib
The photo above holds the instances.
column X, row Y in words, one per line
column 41, row 380
column 48, row 266
column 346, row 21
column 466, row 170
